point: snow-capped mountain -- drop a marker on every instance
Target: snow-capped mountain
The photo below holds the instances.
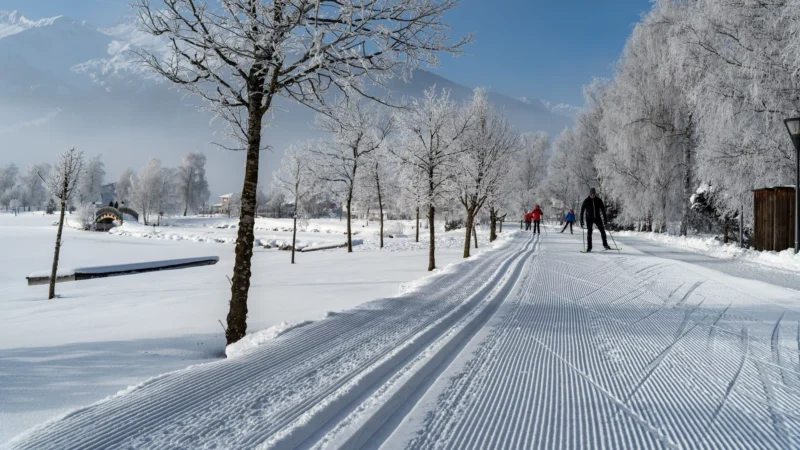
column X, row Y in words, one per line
column 67, row 83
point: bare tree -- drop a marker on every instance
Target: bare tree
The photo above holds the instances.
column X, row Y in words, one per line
column 295, row 180
column 430, row 132
column 358, row 129
column 62, row 185
column 191, row 181
column 239, row 55
column 151, row 189
column 481, row 165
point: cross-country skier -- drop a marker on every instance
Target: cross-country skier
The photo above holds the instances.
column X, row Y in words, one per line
column 569, row 220
column 536, row 215
column 528, row 221
column 593, row 207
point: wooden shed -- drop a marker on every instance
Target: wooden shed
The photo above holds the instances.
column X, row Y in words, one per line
column 773, row 218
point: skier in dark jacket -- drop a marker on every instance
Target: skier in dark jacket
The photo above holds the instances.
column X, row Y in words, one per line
column 593, row 208
column 569, row 220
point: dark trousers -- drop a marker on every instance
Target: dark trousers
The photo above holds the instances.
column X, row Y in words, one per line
column 568, row 224
column 599, row 225
column 527, row 226
column 536, row 227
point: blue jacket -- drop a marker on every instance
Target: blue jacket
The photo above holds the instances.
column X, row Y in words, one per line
column 570, row 217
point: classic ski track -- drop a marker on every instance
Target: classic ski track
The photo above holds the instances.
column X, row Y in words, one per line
column 490, row 403
column 179, row 409
column 581, row 351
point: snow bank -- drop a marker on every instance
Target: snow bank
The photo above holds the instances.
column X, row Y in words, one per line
column 786, row 259
column 251, row 341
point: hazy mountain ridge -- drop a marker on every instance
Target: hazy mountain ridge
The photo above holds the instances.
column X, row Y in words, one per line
column 67, row 83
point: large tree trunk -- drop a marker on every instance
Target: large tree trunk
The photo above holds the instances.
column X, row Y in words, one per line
column 417, row 239
column 468, row 228
column 54, row 269
column 432, row 244
column 240, row 283
column 492, row 225
column 349, row 229
column 294, row 235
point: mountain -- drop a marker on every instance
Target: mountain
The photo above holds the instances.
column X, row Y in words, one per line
column 66, row 83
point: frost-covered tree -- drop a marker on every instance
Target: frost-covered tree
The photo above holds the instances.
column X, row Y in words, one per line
column 529, row 170
column 378, row 181
column 8, row 182
column 90, row 186
column 239, row 55
column 296, row 181
column 32, row 190
column 191, row 182
column 430, row 134
column 62, row 184
column 482, row 164
column 124, row 187
column 358, row 129
column 411, row 191
column 152, row 190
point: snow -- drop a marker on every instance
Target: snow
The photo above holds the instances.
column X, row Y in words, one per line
column 254, row 340
column 102, row 335
column 529, row 341
column 711, row 246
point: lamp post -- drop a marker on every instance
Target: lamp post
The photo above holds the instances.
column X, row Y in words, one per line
column 793, row 126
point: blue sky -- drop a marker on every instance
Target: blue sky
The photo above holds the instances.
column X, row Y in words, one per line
column 543, row 49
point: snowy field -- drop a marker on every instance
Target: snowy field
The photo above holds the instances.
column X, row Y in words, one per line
column 528, row 345
column 101, row 336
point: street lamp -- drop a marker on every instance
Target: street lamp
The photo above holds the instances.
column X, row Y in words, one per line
column 793, row 126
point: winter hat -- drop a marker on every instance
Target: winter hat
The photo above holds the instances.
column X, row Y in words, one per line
column 592, row 191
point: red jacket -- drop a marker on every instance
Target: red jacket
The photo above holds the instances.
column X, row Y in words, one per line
column 528, row 217
column 537, row 214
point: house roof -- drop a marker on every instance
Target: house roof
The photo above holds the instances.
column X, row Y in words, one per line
column 226, row 196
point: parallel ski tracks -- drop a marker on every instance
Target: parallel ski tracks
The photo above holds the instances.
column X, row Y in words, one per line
column 283, row 393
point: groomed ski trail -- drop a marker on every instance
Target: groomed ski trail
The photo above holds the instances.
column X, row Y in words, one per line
column 616, row 352
column 529, row 345
column 297, row 388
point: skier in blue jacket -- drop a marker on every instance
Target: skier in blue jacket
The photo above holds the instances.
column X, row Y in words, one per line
column 569, row 220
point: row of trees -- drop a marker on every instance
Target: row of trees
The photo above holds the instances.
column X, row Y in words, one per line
column 430, row 156
column 154, row 189
column 693, row 119
column 157, row 190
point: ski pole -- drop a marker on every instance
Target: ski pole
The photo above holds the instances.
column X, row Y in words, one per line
column 614, row 241
column 583, row 238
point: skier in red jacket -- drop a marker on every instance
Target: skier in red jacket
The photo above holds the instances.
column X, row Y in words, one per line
column 536, row 215
column 527, row 221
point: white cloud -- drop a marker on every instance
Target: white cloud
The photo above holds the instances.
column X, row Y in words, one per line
column 562, row 109
column 32, row 123
column 11, row 23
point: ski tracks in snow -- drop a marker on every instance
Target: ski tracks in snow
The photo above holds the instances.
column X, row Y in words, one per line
column 531, row 345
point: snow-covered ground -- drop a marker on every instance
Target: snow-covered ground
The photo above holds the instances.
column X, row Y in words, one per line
column 101, row 336
column 529, row 345
column 710, row 246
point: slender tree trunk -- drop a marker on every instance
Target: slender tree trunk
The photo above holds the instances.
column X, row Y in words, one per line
column 468, row 228
column 725, row 232
column 475, row 233
column 240, row 283
column 380, row 206
column 54, row 270
column 349, row 229
column 432, row 244
column 501, row 224
column 417, row 239
column 294, row 235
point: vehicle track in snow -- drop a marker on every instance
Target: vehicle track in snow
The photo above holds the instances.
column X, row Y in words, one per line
column 295, row 387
